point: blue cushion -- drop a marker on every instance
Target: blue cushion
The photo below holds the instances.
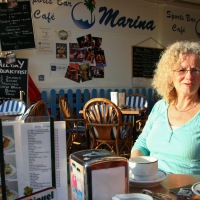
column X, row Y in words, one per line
column 136, row 102
column 81, row 129
column 14, row 106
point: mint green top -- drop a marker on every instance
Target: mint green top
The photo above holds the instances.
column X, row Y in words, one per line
column 177, row 150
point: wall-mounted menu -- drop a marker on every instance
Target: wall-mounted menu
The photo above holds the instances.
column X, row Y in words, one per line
column 16, row 30
column 144, row 61
column 13, row 79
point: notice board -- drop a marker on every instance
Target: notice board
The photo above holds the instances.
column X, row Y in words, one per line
column 144, row 61
column 13, row 79
column 16, row 30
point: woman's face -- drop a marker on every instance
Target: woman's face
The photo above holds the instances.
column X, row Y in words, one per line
column 186, row 76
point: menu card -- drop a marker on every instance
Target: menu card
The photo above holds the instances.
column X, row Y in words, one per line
column 114, row 97
column 34, row 158
column 118, row 98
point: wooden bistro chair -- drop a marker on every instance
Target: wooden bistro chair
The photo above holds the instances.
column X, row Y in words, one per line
column 106, row 128
column 75, row 127
column 37, row 110
column 137, row 101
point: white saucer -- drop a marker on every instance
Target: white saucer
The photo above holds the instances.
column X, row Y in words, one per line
column 12, row 172
column 159, row 177
column 132, row 196
column 196, row 188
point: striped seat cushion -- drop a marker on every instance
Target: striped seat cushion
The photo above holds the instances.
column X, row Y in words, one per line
column 134, row 102
column 14, row 106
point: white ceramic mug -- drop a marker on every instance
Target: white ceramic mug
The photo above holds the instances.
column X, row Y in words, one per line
column 143, row 168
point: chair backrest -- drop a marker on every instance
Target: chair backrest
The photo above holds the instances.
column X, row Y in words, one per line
column 136, row 101
column 103, row 118
column 66, row 111
column 15, row 106
column 36, row 109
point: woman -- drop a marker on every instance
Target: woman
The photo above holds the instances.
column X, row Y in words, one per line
column 172, row 131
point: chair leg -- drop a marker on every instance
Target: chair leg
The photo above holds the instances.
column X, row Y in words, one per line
column 69, row 144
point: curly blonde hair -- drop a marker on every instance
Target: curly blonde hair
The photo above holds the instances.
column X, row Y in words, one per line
column 162, row 80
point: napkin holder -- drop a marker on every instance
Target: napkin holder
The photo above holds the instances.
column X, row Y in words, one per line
column 97, row 174
column 121, row 99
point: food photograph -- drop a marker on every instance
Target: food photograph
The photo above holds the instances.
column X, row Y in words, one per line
column 11, row 190
column 8, row 139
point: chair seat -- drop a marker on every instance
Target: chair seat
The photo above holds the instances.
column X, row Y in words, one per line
column 17, row 106
column 80, row 129
column 12, row 107
column 10, row 113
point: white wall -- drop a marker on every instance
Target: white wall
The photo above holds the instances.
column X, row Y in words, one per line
column 117, row 41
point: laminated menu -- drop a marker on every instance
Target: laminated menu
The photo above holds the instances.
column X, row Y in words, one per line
column 118, row 98
column 34, row 159
column 114, row 97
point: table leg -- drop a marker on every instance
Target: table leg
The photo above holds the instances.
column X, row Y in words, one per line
column 87, row 138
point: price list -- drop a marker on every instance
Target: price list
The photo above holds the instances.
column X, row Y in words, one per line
column 39, row 154
column 13, row 78
column 41, row 159
column 16, row 30
column 144, row 61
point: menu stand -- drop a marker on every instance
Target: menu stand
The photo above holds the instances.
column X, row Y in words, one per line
column 34, row 153
column 3, row 182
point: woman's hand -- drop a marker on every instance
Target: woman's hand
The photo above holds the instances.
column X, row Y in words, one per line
column 137, row 153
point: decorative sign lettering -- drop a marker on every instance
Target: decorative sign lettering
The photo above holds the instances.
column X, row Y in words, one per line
column 13, row 79
column 177, row 18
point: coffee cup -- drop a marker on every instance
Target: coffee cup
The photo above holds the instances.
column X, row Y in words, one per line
column 143, row 168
